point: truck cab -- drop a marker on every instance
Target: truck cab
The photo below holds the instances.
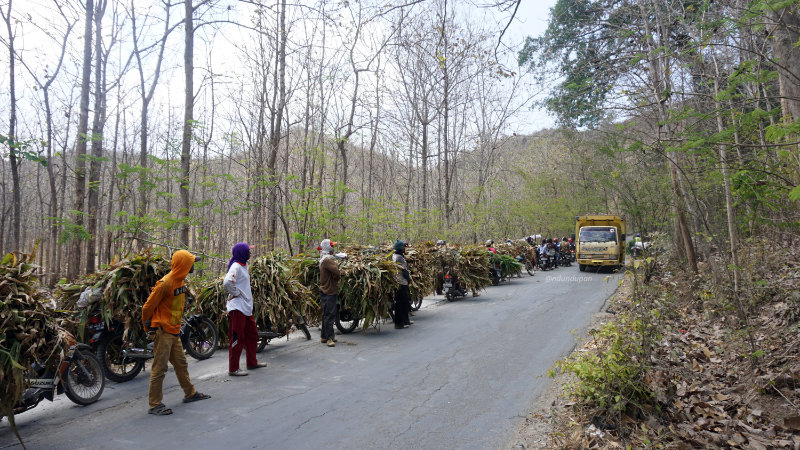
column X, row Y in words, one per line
column 600, row 241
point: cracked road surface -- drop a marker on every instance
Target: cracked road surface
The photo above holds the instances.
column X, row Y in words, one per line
column 463, row 376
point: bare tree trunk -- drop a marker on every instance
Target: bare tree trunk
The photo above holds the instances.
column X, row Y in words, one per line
column 109, row 213
column 93, row 204
column 786, row 35
column 188, row 120
column 723, row 157
column 74, row 267
column 660, row 86
column 12, row 134
column 277, row 121
column 146, row 98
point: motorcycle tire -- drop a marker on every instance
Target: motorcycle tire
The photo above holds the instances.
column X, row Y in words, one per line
column 305, row 331
column 115, row 367
column 84, row 380
column 529, row 268
column 302, row 326
column 345, row 323
column 416, row 303
column 202, row 339
column 449, row 296
column 495, row 279
column 262, row 340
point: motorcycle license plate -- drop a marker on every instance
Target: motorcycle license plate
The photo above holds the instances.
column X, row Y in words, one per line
column 448, row 285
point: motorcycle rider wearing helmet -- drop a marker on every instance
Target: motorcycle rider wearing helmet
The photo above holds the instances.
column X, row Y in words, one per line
column 489, row 244
column 402, row 301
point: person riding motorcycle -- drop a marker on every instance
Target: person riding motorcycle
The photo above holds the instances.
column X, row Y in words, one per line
column 557, row 246
column 565, row 247
column 489, row 244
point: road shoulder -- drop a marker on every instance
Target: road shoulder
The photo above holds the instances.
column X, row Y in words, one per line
column 539, row 429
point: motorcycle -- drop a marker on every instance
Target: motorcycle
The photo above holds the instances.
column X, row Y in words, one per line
column 452, row 288
column 347, row 320
column 547, row 262
column 528, row 263
column 566, row 259
column 494, row 273
column 78, row 374
column 123, row 357
column 268, row 332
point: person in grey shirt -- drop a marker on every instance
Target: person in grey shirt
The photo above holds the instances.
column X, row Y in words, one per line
column 402, row 298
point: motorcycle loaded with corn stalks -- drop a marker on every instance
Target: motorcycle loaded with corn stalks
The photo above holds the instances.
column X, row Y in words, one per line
column 111, row 303
column 39, row 359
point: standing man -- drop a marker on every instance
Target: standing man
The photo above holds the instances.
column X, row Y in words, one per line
column 161, row 317
column 402, row 298
column 242, row 330
column 329, row 276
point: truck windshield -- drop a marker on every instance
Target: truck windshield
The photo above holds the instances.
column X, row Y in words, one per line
column 598, row 234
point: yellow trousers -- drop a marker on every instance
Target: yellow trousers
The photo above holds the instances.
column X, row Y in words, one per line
column 168, row 348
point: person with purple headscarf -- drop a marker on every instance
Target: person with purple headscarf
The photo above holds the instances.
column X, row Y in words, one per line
column 243, row 333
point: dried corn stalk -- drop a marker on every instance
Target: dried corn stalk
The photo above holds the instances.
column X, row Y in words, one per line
column 368, row 284
column 28, row 329
column 125, row 285
column 470, row 264
column 277, row 294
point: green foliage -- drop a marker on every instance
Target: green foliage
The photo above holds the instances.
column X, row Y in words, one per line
column 70, row 231
column 613, row 376
column 587, row 42
column 20, row 149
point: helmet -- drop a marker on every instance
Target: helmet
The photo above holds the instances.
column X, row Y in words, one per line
column 638, row 235
column 399, row 245
column 508, row 241
column 489, row 242
column 563, row 239
column 441, row 242
column 555, row 240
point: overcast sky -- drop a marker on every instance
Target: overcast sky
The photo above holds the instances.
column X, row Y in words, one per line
column 531, row 20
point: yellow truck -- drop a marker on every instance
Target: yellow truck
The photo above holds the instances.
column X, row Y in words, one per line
column 600, row 241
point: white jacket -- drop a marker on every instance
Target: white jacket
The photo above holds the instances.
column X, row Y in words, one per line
column 237, row 283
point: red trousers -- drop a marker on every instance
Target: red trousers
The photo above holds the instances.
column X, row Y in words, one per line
column 243, row 334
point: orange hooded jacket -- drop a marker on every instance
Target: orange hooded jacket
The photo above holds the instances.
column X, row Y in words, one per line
column 164, row 307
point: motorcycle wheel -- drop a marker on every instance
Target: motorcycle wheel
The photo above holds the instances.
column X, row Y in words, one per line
column 416, row 304
column 449, row 296
column 529, row 268
column 302, row 326
column 116, row 367
column 84, row 380
column 262, row 340
column 201, row 339
column 345, row 322
column 495, row 279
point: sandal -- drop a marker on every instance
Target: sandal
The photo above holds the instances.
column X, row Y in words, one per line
column 197, row 396
column 160, row 410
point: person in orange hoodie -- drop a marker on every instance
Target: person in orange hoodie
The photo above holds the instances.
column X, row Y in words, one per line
column 161, row 316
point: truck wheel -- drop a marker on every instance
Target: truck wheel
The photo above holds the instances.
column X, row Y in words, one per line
column 582, row 267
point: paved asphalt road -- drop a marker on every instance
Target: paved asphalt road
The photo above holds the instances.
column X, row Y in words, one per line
column 463, row 376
